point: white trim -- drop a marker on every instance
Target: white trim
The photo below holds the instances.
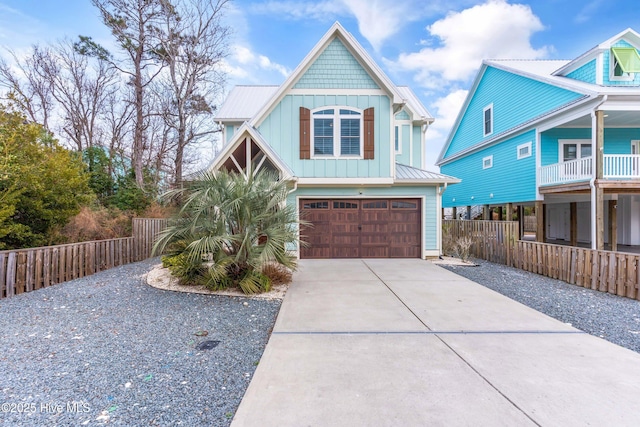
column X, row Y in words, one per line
column 538, row 163
column 336, row 92
column 484, row 162
column 337, row 117
column 577, row 143
column 345, row 181
column 484, row 125
column 520, row 147
column 599, row 69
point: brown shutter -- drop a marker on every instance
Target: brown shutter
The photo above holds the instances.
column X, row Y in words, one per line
column 368, row 134
column 305, row 133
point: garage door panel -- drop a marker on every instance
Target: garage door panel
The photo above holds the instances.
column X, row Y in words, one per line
column 362, row 228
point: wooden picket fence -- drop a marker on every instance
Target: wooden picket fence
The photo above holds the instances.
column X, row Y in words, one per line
column 25, row 270
column 606, row 271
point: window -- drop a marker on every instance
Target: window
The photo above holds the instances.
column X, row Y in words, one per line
column 572, row 149
column 381, row 204
column 487, row 117
column 524, row 150
column 337, row 132
column 487, row 162
column 624, row 63
column 345, row 205
column 403, row 205
column 397, row 139
column 316, row 205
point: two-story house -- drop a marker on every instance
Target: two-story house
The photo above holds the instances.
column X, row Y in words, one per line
column 351, row 144
column 563, row 135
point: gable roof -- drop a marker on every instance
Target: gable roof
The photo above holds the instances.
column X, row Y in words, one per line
column 242, row 132
column 414, row 104
column 359, row 53
column 243, row 102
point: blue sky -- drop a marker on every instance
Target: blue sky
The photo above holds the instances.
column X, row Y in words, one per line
column 434, row 47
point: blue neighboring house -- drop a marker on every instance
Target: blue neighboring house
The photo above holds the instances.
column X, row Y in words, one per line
column 351, row 145
column 562, row 135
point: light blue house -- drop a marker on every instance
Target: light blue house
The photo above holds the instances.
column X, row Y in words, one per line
column 564, row 135
column 351, row 144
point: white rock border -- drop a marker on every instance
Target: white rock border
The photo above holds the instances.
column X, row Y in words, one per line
column 161, row 278
column 449, row 260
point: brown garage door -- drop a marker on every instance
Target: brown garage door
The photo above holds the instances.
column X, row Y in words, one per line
column 361, row 228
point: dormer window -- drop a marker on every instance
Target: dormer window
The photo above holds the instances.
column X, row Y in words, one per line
column 337, row 132
column 625, row 62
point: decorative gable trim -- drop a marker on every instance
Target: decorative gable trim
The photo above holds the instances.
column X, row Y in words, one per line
column 361, row 55
column 250, row 136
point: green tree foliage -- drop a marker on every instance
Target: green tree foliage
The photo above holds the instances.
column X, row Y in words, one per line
column 231, row 227
column 42, row 185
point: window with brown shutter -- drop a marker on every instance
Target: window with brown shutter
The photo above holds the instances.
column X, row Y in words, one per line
column 305, row 133
column 368, row 134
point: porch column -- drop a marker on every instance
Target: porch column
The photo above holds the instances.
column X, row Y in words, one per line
column 573, row 226
column 509, row 215
column 455, row 213
column 468, row 215
column 499, row 213
column 485, row 212
column 599, row 157
column 541, row 222
column 613, row 224
column 521, row 220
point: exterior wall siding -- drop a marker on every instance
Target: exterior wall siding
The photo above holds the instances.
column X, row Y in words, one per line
column 607, row 71
column 515, row 100
column 586, row 73
column 282, row 130
column 405, row 140
column 430, row 214
column 403, row 115
column 417, row 147
column 336, row 68
column 616, row 141
column 509, row 180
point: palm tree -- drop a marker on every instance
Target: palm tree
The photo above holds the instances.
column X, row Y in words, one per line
column 230, row 227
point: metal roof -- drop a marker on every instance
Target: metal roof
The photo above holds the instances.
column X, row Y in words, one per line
column 414, row 103
column 244, row 102
column 411, row 174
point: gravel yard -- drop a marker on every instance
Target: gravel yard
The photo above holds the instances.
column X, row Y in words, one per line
column 614, row 318
column 109, row 349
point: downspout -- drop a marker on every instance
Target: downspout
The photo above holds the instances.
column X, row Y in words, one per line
column 592, row 185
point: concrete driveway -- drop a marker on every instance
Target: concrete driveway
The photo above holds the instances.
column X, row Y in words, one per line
column 407, row 343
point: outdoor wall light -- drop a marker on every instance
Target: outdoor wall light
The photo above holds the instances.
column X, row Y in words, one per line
column 453, row 200
column 473, row 197
column 491, row 195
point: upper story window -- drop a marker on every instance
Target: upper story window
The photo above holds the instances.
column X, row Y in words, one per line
column 337, row 132
column 487, row 162
column 487, row 120
column 624, row 63
column 524, row 150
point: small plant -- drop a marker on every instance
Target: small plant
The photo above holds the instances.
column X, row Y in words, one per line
column 463, row 247
column 187, row 270
column 278, row 274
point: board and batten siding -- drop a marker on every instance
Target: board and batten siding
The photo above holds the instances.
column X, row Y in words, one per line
column 510, row 179
column 586, row 73
column 516, row 99
column 616, row 141
column 417, row 147
column 281, row 128
column 430, row 214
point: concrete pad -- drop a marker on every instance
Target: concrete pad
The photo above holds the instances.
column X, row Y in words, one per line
column 407, row 269
column 559, row 380
column 331, row 270
column 344, row 306
column 369, row 380
column 463, row 305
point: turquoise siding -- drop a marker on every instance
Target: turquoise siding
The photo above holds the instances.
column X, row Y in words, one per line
column 431, row 213
column 282, row 130
column 403, row 115
column 515, row 99
column 509, row 180
column 229, row 129
column 417, row 147
column 616, row 141
column 586, row 73
column 336, row 68
column 607, row 71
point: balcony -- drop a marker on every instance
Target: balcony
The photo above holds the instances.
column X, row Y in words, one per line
column 616, row 166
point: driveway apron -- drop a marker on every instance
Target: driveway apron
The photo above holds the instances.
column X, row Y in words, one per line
column 406, row 343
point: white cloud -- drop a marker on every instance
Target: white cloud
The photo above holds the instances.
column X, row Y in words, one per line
column 446, row 111
column 327, row 10
column 246, row 66
column 492, row 30
column 587, row 12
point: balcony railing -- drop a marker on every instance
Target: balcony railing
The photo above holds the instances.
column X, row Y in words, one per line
column 616, row 166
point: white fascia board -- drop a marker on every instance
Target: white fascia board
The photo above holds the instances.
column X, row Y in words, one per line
column 353, row 46
column 462, row 112
column 522, row 128
column 631, row 105
column 630, row 35
column 344, row 181
column 434, row 181
column 578, row 62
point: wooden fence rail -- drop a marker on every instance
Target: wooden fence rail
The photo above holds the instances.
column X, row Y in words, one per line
column 25, row 270
column 606, row 271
